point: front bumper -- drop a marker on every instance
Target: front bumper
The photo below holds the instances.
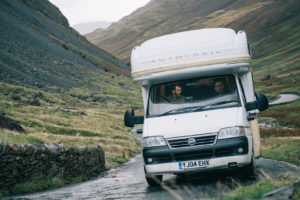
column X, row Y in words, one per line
column 220, row 155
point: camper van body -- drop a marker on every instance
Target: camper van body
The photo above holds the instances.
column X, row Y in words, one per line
column 204, row 131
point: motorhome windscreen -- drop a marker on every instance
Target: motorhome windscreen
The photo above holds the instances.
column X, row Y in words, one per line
column 193, row 95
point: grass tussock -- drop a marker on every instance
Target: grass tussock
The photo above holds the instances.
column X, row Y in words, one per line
column 279, row 132
column 282, row 148
column 278, row 88
column 257, row 190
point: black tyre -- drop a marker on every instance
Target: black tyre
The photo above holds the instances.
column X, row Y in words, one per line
column 249, row 171
column 153, row 180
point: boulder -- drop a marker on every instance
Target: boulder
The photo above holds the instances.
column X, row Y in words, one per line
column 10, row 124
column 266, row 77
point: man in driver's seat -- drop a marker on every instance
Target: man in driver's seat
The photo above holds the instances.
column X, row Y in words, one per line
column 176, row 94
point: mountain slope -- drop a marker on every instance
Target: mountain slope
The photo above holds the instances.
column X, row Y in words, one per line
column 38, row 48
column 272, row 27
column 60, row 88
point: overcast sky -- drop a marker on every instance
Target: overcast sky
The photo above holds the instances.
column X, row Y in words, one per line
column 81, row 11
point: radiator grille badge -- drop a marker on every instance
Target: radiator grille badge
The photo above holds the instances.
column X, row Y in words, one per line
column 191, row 141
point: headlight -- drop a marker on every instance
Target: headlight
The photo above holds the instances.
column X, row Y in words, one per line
column 231, row 132
column 154, row 141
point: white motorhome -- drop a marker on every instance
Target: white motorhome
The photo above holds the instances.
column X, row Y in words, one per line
column 199, row 103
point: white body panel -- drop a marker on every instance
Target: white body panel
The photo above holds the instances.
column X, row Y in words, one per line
column 195, row 123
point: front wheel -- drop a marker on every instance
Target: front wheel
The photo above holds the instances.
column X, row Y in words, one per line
column 249, row 171
column 153, row 180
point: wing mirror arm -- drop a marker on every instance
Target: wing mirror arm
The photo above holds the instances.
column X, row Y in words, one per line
column 261, row 103
column 251, row 105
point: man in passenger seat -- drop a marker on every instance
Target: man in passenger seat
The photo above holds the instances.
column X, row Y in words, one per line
column 176, row 94
column 219, row 87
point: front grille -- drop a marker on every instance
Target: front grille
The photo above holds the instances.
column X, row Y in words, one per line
column 200, row 140
column 193, row 155
column 162, row 158
column 225, row 152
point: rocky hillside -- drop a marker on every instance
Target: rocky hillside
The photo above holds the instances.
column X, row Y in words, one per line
column 272, row 27
column 40, row 49
column 57, row 87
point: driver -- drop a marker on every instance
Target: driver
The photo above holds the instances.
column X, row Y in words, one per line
column 176, row 94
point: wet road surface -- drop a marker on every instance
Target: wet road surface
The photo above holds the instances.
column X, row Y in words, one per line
column 128, row 182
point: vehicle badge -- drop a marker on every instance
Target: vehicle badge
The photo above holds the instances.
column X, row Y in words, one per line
column 191, row 141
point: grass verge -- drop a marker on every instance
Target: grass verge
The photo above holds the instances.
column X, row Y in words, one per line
column 282, row 148
column 255, row 191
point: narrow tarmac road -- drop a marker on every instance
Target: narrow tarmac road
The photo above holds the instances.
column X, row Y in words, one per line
column 128, row 182
column 285, row 98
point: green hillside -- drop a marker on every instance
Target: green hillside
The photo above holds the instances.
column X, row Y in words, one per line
column 272, row 27
column 59, row 87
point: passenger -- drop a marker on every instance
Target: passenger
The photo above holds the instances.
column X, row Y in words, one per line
column 176, row 94
column 220, row 87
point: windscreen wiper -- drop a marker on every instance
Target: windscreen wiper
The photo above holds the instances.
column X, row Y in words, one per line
column 196, row 108
column 214, row 104
column 178, row 110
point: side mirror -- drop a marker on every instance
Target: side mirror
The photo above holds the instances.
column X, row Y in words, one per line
column 130, row 119
column 261, row 103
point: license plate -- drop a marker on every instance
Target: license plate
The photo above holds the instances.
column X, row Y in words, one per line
column 193, row 164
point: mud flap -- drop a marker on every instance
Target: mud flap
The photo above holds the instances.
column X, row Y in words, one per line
column 256, row 137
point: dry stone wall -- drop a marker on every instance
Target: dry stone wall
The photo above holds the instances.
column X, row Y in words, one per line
column 20, row 163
